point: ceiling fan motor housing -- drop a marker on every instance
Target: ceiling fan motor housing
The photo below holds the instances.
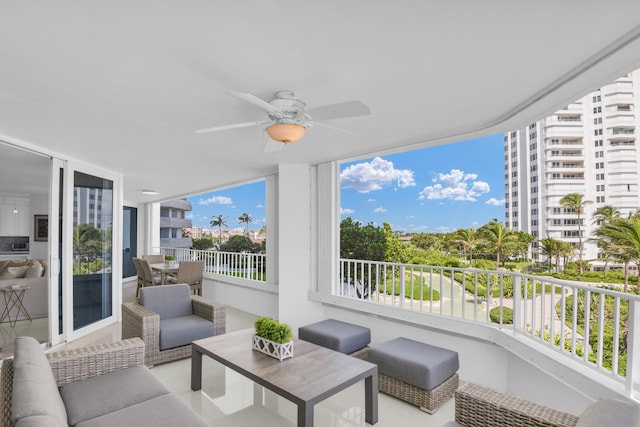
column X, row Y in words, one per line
column 290, row 108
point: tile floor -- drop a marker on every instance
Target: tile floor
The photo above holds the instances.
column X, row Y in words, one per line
column 226, row 398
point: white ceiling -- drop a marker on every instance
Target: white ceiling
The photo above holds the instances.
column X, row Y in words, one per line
column 123, row 84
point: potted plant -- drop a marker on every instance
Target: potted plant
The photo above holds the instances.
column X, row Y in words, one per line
column 273, row 338
column 170, row 260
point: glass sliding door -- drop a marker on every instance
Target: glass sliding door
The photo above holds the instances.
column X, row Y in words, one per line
column 129, row 240
column 92, row 249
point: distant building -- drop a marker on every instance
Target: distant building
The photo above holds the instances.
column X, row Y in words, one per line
column 588, row 147
column 172, row 221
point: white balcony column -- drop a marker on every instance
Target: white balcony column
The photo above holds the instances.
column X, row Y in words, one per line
column 296, row 200
column 152, row 228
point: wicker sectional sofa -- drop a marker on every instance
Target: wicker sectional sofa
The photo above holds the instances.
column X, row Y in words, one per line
column 104, row 385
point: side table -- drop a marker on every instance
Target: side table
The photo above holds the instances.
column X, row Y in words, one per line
column 13, row 296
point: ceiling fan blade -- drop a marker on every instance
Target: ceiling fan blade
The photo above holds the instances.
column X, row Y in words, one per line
column 314, row 123
column 339, row 111
column 256, row 101
column 233, row 126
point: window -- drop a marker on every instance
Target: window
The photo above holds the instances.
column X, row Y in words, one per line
column 534, row 211
column 534, row 190
column 597, row 132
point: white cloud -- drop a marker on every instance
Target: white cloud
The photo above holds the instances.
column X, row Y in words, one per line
column 380, row 210
column 375, row 175
column 495, row 202
column 346, row 211
column 371, row 200
column 456, row 185
column 259, row 206
column 216, row 200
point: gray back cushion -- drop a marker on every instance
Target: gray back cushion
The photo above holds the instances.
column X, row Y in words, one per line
column 610, row 413
column 168, row 301
column 35, row 392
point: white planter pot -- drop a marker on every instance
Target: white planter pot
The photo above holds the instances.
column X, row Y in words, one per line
column 272, row 348
column 170, row 263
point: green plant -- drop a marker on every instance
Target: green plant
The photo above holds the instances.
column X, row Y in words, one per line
column 169, row 257
column 273, row 330
column 507, row 315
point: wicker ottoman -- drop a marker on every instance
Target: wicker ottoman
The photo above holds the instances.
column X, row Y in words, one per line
column 340, row 336
column 421, row 374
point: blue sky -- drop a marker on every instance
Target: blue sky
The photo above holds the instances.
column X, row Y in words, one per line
column 438, row 189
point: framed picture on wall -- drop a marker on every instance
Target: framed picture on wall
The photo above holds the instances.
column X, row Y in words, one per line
column 41, row 228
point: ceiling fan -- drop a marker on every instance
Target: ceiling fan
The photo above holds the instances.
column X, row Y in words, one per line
column 289, row 118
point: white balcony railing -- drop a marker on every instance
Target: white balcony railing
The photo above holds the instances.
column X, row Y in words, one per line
column 246, row 266
column 591, row 326
column 601, row 327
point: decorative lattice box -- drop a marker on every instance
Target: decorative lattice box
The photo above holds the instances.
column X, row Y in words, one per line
column 272, row 348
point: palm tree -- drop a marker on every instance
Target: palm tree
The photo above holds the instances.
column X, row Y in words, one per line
column 498, row 235
column 246, row 218
column 605, row 214
column 622, row 237
column 219, row 221
column 469, row 239
column 576, row 202
column 549, row 248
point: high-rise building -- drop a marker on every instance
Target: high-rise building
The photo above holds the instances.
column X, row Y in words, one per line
column 587, row 147
column 173, row 220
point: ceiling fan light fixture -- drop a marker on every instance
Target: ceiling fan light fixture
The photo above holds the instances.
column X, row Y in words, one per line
column 286, row 132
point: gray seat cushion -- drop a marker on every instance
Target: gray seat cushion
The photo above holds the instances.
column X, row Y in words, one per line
column 180, row 331
column 110, row 392
column 168, row 301
column 39, row 421
column 422, row 365
column 610, row 413
column 35, row 391
column 336, row 335
column 167, row 410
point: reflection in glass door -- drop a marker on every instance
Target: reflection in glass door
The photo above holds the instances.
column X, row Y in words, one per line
column 92, row 249
column 129, row 240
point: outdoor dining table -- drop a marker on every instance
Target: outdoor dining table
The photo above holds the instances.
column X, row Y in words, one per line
column 164, row 270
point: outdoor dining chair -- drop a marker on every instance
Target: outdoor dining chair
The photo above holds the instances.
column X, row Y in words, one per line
column 191, row 272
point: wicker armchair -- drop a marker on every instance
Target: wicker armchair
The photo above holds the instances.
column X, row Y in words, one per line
column 479, row 406
column 77, row 364
column 143, row 322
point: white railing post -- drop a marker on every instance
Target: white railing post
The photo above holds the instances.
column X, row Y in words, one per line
column 402, row 283
column 517, row 300
column 633, row 349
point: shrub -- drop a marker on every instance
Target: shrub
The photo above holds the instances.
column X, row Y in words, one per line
column 273, row 330
column 507, row 315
